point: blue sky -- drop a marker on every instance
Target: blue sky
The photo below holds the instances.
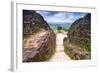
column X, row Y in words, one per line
column 61, row 17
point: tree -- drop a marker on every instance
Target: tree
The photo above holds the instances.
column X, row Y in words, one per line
column 59, row 29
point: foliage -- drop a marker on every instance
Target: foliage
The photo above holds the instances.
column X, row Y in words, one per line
column 68, row 50
column 84, row 43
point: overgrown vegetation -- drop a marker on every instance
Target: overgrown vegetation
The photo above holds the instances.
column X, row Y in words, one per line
column 61, row 29
column 68, row 50
column 72, row 50
column 84, row 43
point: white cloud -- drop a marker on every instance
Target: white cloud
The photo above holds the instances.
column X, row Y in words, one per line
column 60, row 17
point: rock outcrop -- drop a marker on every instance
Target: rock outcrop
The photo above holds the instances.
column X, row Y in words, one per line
column 34, row 24
column 80, row 28
column 79, row 37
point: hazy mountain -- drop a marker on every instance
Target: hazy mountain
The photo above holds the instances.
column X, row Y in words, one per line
column 64, row 25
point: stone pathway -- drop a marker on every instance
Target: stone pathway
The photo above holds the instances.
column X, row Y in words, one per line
column 60, row 54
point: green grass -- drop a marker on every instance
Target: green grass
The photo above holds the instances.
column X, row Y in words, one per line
column 84, row 44
column 59, row 30
column 67, row 50
column 55, row 30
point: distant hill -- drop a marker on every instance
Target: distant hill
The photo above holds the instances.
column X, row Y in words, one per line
column 65, row 26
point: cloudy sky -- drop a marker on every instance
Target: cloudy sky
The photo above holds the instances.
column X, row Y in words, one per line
column 60, row 17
